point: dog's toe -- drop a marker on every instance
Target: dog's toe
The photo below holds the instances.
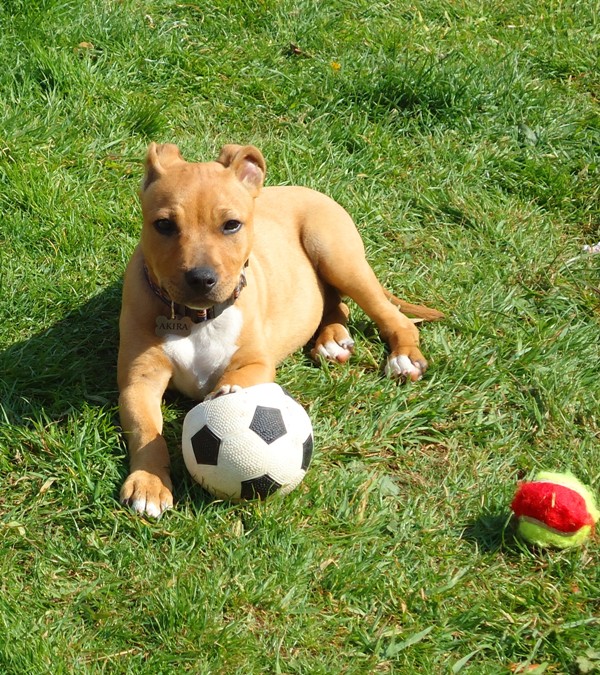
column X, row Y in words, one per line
column 335, row 351
column 145, row 507
column 222, row 391
column 146, row 494
column 403, row 368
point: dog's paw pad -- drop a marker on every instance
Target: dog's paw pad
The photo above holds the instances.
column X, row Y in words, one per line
column 403, row 368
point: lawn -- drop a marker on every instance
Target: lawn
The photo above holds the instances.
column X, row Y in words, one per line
column 463, row 137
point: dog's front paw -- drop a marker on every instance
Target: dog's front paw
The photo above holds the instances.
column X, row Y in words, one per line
column 147, row 494
column 222, row 390
column 406, row 366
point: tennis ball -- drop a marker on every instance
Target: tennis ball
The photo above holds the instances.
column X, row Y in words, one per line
column 554, row 509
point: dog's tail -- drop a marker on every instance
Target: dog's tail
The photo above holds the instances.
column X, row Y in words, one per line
column 418, row 311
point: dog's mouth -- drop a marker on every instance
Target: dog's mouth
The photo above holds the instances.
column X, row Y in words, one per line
column 200, row 299
column 199, row 291
column 193, row 300
column 201, row 304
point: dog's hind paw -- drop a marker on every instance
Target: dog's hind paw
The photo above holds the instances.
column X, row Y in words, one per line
column 404, row 368
column 333, row 350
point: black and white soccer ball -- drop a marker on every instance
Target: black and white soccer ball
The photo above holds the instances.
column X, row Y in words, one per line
column 248, row 444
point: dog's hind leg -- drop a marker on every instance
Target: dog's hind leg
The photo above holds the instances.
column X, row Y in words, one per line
column 337, row 252
column 333, row 340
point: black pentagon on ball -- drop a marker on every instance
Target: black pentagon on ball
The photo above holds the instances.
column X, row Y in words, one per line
column 206, row 446
column 259, row 488
column 307, row 451
column 268, row 424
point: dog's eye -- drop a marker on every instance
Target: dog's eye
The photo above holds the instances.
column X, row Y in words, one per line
column 165, row 226
column 232, row 226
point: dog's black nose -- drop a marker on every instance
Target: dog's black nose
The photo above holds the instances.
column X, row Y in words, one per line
column 201, row 279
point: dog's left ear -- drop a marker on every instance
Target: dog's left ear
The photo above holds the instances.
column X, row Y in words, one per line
column 247, row 163
column 158, row 159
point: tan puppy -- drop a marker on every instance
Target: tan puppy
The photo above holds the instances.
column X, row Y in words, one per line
column 229, row 279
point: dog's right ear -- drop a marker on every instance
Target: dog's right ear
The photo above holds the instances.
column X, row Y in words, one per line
column 247, row 163
column 158, row 159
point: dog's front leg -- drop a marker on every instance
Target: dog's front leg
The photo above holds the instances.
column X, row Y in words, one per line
column 246, row 369
column 147, row 489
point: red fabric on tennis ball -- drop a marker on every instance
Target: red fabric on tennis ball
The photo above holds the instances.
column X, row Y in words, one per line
column 555, row 509
column 557, row 506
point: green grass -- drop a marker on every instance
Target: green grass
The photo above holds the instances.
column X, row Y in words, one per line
column 464, row 139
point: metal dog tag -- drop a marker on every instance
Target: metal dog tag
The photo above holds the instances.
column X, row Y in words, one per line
column 177, row 326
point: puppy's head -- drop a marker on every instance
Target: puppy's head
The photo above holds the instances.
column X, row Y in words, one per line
column 198, row 221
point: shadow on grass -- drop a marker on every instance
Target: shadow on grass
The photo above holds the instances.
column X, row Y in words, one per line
column 492, row 532
column 66, row 365
column 54, row 374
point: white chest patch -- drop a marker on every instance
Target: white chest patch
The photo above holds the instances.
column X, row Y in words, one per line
column 200, row 358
